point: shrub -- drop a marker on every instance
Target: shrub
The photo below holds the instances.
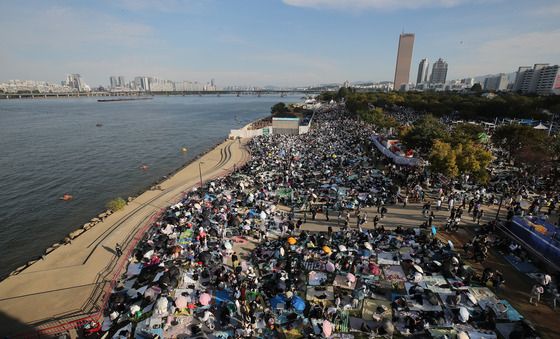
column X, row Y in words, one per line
column 116, row 204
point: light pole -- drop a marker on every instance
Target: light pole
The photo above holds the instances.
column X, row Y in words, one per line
column 200, row 172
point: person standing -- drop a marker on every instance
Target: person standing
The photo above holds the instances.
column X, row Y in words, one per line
column 431, row 219
column 479, row 215
column 405, row 202
column 536, row 292
column 118, row 250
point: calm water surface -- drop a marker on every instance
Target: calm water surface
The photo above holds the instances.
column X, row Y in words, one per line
column 51, row 146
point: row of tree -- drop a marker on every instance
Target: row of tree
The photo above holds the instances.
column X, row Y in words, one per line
column 465, row 106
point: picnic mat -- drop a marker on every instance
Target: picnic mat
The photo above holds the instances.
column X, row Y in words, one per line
column 394, row 273
column 370, row 306
column 388, row 258
column 315, row 278
column 342, row 282
column 325, row 297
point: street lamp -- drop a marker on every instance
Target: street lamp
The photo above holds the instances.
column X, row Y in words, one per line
column 200, row 172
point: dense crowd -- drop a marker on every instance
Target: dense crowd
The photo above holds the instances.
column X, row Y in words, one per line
column 344, row 280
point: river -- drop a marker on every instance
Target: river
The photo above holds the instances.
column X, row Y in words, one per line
column 49, row 147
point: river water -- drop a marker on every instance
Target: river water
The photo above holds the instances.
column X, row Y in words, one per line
column 49, row 147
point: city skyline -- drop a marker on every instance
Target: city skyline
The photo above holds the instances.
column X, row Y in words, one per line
column 283, row 43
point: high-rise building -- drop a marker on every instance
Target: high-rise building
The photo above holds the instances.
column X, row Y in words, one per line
column 423, row 69
column 404, row 59
column 122, row 82
column 541, row 79
column 113, row 82
column 75, row 81
column 549, row 80
column 519, row 77
column 496, row 83
column 439, row 72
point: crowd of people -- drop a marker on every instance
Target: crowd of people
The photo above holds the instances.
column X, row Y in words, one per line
column 233, row 260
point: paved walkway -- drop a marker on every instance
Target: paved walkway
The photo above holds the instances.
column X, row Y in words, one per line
column 68, row 283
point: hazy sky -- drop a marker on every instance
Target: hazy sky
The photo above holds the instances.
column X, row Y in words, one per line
column 262, row 42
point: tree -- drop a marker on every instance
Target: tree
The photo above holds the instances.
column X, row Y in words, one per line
column 463, row 133
column 476, row 88
column 528, row 147
column 378, row 118
column 116, row 204
column 443, row 159
column 342, row 93
column 424, row 133
column 279, row 108
column 473, row 159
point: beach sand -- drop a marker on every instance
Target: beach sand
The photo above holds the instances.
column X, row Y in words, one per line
column 69, row 282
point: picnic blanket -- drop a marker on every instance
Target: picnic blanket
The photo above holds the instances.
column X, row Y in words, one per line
column 388, row 258
column 324, row 295
column 371, row 309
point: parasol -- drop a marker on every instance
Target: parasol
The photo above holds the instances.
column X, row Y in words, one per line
column 205, row 298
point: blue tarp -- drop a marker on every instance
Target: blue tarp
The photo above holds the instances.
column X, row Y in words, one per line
column 547, row 243
column 298, row 304
column 278, row 299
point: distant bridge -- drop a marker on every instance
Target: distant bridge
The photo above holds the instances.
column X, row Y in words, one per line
column 281, row 93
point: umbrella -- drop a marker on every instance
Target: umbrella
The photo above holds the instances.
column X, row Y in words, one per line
column 298, row 304
column 368, row 246
column 525, row 205
column 350, row 277
column 181, row 301
column 228, row 245
column 292, row 241
column 329, row 267
column 342, row 248
column 463, row 314
column 327, row 328
column 205, row 298
column 327, row 249
column 418, row 268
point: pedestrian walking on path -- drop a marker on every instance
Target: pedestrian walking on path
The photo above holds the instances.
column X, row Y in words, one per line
column 536, row 292
column 118, row 250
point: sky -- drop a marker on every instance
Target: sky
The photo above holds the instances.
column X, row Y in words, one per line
column 270, row 42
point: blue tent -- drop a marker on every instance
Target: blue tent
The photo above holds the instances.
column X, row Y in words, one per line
column 278, row 299
column 298, row 304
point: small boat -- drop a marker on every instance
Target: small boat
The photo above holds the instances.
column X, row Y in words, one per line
column 98, row 125
column 184, row 150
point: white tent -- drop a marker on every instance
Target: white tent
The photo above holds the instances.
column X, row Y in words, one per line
column 540, row 126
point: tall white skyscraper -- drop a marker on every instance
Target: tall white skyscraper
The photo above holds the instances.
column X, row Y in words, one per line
column 423, row 69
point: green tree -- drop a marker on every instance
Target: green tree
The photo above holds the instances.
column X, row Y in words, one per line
column 279, row 108
column 463, row 133
column 423, row 134
column 443, row 159
column 528, row 147
column 476, row 88
column 116, row 204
